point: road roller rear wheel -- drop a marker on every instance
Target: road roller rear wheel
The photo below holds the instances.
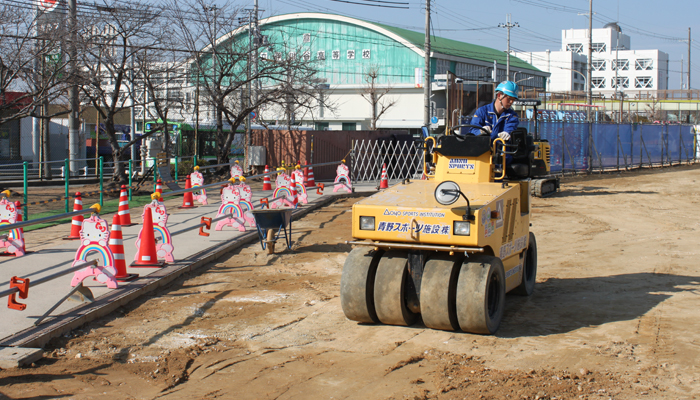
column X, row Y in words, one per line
column 481, row 294
column 527, row 286
column 438, row 293
column 390, row 286
column 357, row 285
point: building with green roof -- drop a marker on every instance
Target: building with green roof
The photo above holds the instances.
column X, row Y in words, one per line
column 345, row 49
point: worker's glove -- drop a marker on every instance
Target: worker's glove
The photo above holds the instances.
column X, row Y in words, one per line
column 486, row 128
column 504, row 135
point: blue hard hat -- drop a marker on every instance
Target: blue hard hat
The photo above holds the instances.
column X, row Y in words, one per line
column 509, row 88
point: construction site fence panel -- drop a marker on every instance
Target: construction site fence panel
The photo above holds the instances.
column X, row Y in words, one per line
column 403, row 158
column 615, row 146
column 313, row 147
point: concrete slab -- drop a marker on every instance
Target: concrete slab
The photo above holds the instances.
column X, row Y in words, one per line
column 15, row 357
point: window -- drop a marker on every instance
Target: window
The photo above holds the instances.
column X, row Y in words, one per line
column 621, row 65
column 598, row 65
column 598, row 47
column 349, row 126
column 622, row 82
column 321, row 126
column 307, row 37
column 292, row 55
column 598, row 83
column 365, row 54
column 643, row 82
column 307, row 55
column 644, row 64
column 335, row 54
column 351, row 54
column 321, row 55
column 263, row 56
column 278, row 56
column 575, row 47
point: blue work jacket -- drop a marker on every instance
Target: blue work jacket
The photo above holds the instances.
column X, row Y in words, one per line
column 486, row 115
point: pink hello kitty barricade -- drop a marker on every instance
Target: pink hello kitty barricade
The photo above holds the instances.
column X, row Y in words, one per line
column 246, row 202
column 298, row 175
column 14, row 240
column 283, row 190
column 197, row 180
column 164, row 250
column 342, row 179
column 236, row 171
column 230, row 206
column 94, row 238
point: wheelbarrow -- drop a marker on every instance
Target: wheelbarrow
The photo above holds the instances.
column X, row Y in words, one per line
column 269, row 221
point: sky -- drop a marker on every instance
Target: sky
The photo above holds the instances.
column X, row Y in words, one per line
column 661, row 25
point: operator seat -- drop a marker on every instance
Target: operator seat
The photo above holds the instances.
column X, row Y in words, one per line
column 521, row 166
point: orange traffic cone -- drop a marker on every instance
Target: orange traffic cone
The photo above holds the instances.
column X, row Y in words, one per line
column 18, row 207
column 77, row 222
column 124, row 214
column 293, row 185
column 116, row 244
column 159, row 189
column 147, row 256
column 266, row 179
column 310, row 182
column 188, row 198
column 384, row 182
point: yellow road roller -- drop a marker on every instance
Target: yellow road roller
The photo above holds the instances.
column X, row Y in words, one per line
column 447, row 248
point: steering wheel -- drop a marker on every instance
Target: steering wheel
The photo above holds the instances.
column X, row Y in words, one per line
column 468, row 126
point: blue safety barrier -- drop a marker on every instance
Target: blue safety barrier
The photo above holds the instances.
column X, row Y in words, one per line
column 614, row 145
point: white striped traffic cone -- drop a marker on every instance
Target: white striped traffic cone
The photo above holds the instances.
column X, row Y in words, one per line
column 77, row 222
column 124, row 213
column 266, row 180
column 384, row 182
column 310, row 179
column 116, row 244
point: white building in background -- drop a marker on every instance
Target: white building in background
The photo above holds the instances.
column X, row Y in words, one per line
column 568, row 69
column 615, row 65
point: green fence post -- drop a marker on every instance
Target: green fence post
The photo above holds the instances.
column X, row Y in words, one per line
column 130, row 172
column 66, row 177
column 25, row 185
column 176, row 157
column 194, row 161
column 155, row 174
column 101, row 180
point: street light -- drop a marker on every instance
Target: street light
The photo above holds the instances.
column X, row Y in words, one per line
column 526, row 79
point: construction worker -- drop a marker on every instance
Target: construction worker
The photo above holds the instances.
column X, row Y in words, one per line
column 498, row 118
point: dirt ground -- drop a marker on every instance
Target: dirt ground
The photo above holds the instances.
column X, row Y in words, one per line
column 613, row 316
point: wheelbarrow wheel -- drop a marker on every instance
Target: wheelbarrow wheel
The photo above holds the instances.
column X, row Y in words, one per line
column 270, row 241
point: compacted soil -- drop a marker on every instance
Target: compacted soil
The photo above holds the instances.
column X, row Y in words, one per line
column 614, row 316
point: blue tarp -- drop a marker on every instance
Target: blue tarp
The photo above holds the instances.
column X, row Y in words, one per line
column 613, row 145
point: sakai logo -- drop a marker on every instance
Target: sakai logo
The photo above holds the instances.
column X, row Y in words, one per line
column 457, row 163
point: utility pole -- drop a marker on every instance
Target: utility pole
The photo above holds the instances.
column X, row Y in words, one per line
column 508, row 25
column 426, row 70
column 73, row 120
column 689, row 42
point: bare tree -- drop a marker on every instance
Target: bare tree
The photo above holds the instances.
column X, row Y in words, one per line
column 222, row 60
column 111, row 39
column 376, row 95
column 32, row 70
column 162, row 76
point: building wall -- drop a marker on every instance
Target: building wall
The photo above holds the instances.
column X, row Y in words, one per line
column 560, row 64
